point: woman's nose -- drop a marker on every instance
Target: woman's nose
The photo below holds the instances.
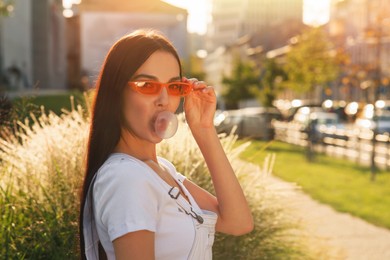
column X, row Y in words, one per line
column 163, row 97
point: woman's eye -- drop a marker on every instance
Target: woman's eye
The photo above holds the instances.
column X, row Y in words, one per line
column 175, row 86
column 145, row 85
column 148, row 85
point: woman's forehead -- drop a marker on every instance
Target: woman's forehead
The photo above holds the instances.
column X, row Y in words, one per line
column 161, row 65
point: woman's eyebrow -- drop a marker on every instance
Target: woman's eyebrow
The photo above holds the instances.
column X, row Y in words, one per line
column 175, row 79
column 151, row 77
column 144, row 76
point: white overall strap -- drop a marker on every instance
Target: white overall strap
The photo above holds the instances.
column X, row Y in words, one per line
column 174, row 192
column 204, row 222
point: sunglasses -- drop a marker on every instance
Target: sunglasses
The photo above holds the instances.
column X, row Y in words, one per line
column 154, row 88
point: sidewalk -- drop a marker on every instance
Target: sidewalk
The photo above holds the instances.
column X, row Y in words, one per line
column 340, row 235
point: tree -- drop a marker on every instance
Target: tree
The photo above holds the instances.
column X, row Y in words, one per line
column 239, row 86
column 270, row 83
column 310, row 63
column 6, row 7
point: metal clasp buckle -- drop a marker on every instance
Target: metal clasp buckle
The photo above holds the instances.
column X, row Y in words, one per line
column 174, row 192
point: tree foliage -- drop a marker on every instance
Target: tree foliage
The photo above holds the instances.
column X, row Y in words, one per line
column 239, row 86
column 6, row 7
column 309, row 62
column 270, row 83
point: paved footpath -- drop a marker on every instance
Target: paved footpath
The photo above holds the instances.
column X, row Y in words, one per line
column 332, row 234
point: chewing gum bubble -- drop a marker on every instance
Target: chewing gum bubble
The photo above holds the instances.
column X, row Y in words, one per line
column 166, row 124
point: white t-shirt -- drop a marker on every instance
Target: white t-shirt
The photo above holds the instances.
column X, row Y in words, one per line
column 129, row 196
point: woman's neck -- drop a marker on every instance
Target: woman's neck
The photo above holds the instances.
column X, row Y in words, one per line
column 137, row 148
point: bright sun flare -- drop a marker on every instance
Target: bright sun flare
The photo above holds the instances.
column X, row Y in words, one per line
column 197, row 13
column 315, row 13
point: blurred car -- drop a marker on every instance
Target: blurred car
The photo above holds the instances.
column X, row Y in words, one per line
column 313, row 119
column 336, row 106
column 254, row 122
column 296, row 105
column 382, row 122
column 383, row 105
column 366, row 120
column 302, row 115
column 353, row 110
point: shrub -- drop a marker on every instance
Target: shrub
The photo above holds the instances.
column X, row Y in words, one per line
column 41, row 169
column 5, row 109
column 40, row 172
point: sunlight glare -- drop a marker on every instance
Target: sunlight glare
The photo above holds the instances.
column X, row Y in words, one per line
column 197, row 14
column 67, row 13
column 67, row 4
column 316, row 12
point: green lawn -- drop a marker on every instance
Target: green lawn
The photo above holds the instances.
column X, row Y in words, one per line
column 23, row 106
column 336, row 182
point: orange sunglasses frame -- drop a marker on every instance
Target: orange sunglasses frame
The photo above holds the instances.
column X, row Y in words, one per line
column 133, row 85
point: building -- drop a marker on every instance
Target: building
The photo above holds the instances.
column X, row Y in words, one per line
column 269, row 22
column 33, row 46
column 42, row 49
column 362, row 29
column 247, row 29
column 103, row 22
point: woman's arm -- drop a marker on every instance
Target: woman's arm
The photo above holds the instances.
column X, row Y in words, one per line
column 234, row 215
column 135, row 245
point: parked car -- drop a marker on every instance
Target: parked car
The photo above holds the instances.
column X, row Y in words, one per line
column 312, row 119
column 302, row 115
column 336, row 106
column 366, row 120
column 254, row 122
column 353, row 110
column 383, row 105
column 296, row 105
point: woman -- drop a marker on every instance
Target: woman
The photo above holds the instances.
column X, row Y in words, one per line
column 134, row 204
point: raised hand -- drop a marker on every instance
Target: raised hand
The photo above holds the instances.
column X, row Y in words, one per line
column 200, row 105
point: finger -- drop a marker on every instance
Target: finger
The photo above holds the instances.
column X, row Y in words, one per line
column 196, row 84
column 199, row 85
column 187, row 80
column 207, row 89
column 184, row 79
column 207, row 93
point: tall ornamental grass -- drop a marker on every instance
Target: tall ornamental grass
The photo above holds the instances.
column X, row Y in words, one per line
column 41, row 171
column 40, row 175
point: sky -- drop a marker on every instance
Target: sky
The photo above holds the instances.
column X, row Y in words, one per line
column 198, row 13
column 316, row 12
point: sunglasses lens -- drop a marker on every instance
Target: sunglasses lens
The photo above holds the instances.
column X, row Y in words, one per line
column 148, row 88
column 179, row 89
column 154, row 88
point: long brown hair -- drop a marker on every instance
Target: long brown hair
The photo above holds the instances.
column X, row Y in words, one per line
column 121, row 62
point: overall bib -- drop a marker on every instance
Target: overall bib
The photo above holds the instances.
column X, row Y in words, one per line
column 204, row 223
column 204, row 237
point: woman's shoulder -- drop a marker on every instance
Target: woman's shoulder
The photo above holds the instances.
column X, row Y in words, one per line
column 122, row 166
column 167, row 163
column 172, row 169
column 118, row 159
column 126, row 176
